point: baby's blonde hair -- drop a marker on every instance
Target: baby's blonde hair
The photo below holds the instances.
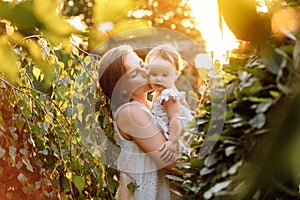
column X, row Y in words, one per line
column 169, row 53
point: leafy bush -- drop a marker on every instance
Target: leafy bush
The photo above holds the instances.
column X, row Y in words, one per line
column 259, row 87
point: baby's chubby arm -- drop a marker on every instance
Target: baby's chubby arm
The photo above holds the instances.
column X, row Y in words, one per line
column 170, row 147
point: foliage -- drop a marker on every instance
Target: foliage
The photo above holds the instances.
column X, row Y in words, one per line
column 55, row 118
column 252, row 147
column 22, row 173
column 52, row 138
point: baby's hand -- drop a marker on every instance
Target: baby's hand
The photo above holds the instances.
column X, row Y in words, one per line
column 168, row 151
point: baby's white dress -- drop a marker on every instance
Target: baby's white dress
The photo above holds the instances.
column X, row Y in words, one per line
column 160, row 113
column 136, row 166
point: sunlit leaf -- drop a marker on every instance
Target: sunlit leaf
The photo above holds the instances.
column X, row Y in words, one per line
column 205, row 171
column 270, row 59
column 219, row 186
column 27, row 163
column 263, row 107
column 46, row 12
column 296, row 56
column 259, row 99
column 112, row 11
column 2, row 152
column 34, row 49
column 132, row 187
column 79, row 183
column 124, row 28
column 113, row 184
column 230, row 150
column 253, row 89
column 8, row 60
column 275, row 94
column 174, row 178
column 20, row 14
column 234, row 168
column 210, row 161
column 203, row 73
column 258, row 121
column 69, row 112
column 284, row 88
column 22, row 178
column 12, row 152
column 193, row 95
column 69, row 175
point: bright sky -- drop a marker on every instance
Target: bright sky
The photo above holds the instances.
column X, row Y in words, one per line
column 206, row 14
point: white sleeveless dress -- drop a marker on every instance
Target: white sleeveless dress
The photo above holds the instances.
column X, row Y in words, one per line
column 136, row 166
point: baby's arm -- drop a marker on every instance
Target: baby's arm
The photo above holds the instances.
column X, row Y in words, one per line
column 173, row 111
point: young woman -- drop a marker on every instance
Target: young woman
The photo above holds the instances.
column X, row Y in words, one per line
column 125, row 80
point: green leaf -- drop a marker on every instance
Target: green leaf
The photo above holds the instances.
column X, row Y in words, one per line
column 263, row 107
column 22, row 178
column 196, row 163
column 270, row 59
column 259, row 99
column 12, row 152
column 253, row 89
column 125, row 28
column 193, row 95
column 296, row 56
column 112, row 184
column 132, row 186
column 55, row 24
column 258, row 121
column 284, row 88
column 79, row 182
column 8, row 60
column 112, row 11
column 69, row 112
column 205, row 171
column 234, row 168
column 2, row 152
column 174, row 178
column 275, row 94
column 210, row 161
column 24, row 17
column 230, row 150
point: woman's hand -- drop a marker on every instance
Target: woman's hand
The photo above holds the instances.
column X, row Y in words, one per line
column 168, row 150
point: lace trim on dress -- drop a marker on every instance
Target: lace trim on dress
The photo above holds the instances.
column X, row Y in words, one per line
column 168, row 93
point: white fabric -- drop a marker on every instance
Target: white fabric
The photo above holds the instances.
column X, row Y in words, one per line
column 161, row 116
column 136, row 166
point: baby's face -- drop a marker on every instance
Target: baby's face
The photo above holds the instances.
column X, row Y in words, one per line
column 162, row 74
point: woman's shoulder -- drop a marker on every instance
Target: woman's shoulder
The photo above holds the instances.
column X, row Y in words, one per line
column 134, row 120
column 133, row 112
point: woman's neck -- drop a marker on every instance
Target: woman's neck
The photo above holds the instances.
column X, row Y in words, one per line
column 141, row 99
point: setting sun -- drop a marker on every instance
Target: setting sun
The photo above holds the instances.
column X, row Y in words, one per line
column 207, row 17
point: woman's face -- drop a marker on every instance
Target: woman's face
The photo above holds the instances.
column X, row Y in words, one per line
column 137, row 74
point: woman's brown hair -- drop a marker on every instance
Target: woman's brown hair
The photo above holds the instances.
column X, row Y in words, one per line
column 111, row 68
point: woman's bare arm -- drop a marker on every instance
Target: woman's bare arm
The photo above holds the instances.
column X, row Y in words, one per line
column 136, row 123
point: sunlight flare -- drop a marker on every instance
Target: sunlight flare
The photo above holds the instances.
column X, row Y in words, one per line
column 218, row 42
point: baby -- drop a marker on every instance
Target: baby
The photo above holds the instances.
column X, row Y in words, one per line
column 169, row 105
